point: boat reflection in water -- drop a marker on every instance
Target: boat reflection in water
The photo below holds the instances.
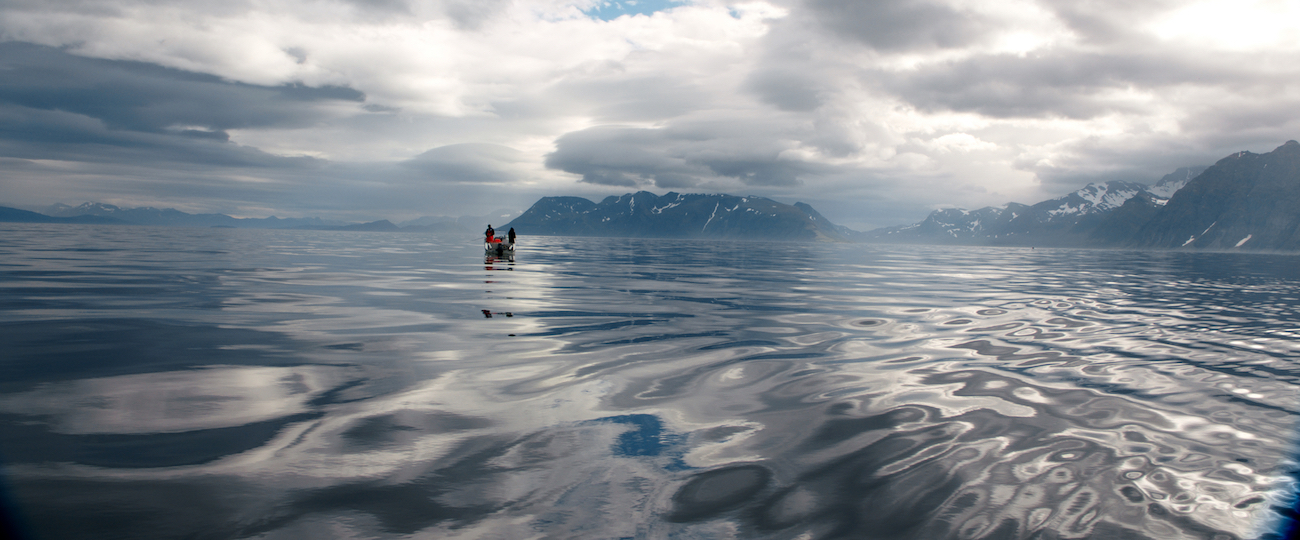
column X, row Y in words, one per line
column 299, row 384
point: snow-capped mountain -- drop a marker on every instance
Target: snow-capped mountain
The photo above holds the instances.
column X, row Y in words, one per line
column 1092, row 199
column 1174, row 181
column 85, row 209
column 677, row 215
column 954, row 225
column 1066, row 220
column 1244, row 201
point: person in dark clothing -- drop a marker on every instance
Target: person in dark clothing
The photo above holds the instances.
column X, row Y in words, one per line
column 511, row 235
column 489, row 234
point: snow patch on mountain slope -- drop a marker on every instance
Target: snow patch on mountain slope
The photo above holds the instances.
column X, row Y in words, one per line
column 1095, row 198
column 1174, row 181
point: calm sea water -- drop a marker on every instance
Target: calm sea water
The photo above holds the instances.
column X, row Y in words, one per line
column 190, row 383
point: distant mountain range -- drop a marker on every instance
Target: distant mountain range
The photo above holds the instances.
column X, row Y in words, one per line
column 1082, row 218
column 177, row 218
column 15, row 215
column 107, row 214
column 1244, row 201
column 676, row 215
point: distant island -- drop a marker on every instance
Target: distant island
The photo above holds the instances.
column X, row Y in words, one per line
column 1245, row 201
column 676, row 215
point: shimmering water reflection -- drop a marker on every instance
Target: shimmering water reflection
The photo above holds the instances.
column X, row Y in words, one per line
column 161, row 383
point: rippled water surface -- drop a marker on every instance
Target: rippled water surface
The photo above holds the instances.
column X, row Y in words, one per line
column 190, row 383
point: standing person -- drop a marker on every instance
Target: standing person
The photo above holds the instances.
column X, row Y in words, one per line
column 489, row 234
column 511, row 235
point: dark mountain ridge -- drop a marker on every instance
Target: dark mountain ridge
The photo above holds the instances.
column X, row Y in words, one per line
column 1244, row 200
column 677, row 215
column 1080, row 218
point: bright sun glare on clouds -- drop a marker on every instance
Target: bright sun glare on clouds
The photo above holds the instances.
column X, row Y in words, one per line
column 1234, row 25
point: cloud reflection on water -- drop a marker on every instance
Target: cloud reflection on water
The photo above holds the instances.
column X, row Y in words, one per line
column 693, row 390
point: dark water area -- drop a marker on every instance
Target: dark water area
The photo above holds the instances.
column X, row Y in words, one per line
column 224, row 383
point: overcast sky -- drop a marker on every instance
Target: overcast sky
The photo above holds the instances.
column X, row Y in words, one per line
column 875, row 112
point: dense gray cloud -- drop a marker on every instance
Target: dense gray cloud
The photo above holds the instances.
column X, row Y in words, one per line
column 1076, row 84
column 424, row 106
column 614, row 156
column 1054, row 83
column 786, row 90
column 901, row 24
column 474, row 163
column 472, row 14
column 617, row 97
column 675, row 158
column 1156, row 101
column 58, row 135
column 389, row 7
column 467, row 14
column 1109, row 22
column 150, row 133
column 55, row 102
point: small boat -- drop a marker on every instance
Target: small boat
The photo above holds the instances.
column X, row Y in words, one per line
column 498, row 248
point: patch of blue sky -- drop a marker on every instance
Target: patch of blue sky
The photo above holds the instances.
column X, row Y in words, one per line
column 608, row 10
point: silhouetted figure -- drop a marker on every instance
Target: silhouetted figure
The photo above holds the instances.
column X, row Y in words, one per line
column 511, row 235
column 490, row 233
